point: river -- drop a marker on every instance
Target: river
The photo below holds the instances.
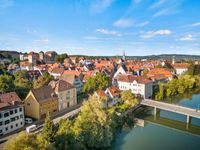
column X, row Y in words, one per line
column 168, row 131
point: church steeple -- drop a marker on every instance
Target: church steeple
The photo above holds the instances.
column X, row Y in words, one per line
column 124, row 56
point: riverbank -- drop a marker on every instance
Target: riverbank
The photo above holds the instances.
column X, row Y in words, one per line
column 167, row 131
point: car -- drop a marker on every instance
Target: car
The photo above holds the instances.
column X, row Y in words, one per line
column 28, row 120
column 31, row 128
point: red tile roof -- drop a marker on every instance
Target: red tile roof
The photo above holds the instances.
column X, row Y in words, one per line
column 131, row 78
column 9, row 99
column 159, row 71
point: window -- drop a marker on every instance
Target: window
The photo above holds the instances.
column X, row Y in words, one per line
column 6, row 128
column 21, row 123
column 0, row 115
column 12, row 119
column 28, row 104
column 1, row 131
column 1, row 123
column 15, row 110
column 17, row 117
column 21, row 116
column 20, row 109
column 11, row 126
column 16, row 125
column 11, row 112
column 7, row 122
column 6, row 114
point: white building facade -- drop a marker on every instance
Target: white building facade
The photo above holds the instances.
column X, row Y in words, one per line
column 11, row 119
column 138, row 85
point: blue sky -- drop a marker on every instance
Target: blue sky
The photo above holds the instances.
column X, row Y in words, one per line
column 101, row 27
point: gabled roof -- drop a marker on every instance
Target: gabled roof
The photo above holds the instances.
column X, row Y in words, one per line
column 71, row 72
column 57, row 70
column 60, row 85
column 131, row 78
column 68, row 77
column 9, row 99
column 114, row 91
column 159, row 71
column 101, row 93
column 44, row 93
column 181, row 65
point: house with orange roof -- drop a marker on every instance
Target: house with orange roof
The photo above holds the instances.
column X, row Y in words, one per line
column 180, row 68
column 56, row 72
column 25, row 65
column 113, row 94
column 160, row 71
column 11, row 113
column 73, row 72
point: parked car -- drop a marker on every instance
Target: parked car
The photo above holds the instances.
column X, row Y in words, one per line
column 31, row 128
column 28, row 120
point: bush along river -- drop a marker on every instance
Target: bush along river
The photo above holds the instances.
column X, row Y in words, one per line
column 166, row 131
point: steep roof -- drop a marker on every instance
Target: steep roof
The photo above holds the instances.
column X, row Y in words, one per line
column 68, row 77
column 44, row 93
column 114, row 91
column 181, row 65
column 60, row 85
column 57, row 70
column 9, row 99
column 71, row 72
column 159, row 71
column 131, row 78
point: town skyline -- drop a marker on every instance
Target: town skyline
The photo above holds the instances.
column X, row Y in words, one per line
column 101, row 27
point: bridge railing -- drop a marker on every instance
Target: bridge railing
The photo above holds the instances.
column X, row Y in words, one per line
column 175, row 105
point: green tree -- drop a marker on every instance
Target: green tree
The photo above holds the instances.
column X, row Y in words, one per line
column 22, row 84
column 89, row 85
column 65, row 138
column 101, row 80
column 42, row 80
column 6, row 83
column 48, row 132
column 92, row 126
column 161, row 91
column 98, row 82
column 22, row 141
column 60, row 58
column 128, row 97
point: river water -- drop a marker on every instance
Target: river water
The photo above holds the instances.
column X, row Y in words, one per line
column 166, row 131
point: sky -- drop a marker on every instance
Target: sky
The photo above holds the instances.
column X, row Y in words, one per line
column 101, row 27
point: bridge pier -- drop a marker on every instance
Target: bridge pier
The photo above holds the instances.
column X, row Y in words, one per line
column 155, row 112
column 188, row 119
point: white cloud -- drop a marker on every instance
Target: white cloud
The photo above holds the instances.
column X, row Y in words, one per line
column 188, row 37
column 142, row 24
column 100, row 5
column 151, row 34
column 108, row 32
column 166, row 7
column 195, row 24
column 158, row 3
column 166, row 11
column 41, row 41
column 123, row 23
column 90, row 38
column 31, row 31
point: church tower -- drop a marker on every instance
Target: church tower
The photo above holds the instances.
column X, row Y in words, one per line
column 124, row 56
column 173, row 60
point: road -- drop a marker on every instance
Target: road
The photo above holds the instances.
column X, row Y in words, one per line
column 56, row 118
